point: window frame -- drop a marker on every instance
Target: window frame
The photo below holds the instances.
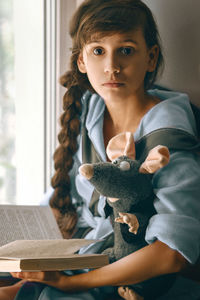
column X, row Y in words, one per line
column 57, row 49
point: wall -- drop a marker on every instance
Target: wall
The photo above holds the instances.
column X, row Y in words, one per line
column 179, row 25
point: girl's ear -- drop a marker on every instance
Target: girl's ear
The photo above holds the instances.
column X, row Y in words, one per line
column 81, row 64
column 153, row 58
column 157, row 158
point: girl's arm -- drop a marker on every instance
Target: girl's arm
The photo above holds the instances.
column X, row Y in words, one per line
column 153, row 260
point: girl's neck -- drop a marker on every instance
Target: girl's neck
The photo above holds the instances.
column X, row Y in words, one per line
column 121, row 116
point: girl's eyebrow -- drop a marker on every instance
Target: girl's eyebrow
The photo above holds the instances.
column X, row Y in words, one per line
column 122, row 41
column 94, row 41
column 130, row 41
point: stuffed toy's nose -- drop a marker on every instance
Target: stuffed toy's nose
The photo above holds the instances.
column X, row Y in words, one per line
column 86, row 170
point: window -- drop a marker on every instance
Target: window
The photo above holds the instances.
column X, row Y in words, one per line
column 34, row 52
column 7, row 107
column 22, row 101
column 29, row 46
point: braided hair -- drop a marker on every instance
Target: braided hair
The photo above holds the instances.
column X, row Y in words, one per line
column 99, row 17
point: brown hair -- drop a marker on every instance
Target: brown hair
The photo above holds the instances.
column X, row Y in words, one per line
column 93, row 17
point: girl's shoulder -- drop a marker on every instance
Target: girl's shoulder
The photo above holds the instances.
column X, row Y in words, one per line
column 173, row 111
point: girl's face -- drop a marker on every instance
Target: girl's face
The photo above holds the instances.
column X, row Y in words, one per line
column 116, row 64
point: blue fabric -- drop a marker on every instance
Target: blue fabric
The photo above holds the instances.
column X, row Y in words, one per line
column 176, row 187
column 30, row 291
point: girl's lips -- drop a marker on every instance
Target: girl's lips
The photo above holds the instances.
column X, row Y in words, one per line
column 113, row 84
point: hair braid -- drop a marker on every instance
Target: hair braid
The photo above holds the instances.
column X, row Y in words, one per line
column 65, row 211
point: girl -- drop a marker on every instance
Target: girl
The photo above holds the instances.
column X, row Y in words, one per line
column 116, row 56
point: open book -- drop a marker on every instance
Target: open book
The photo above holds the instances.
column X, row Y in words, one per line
column 30, row 240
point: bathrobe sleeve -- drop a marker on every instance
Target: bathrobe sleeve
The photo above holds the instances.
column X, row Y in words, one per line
column 177, row 190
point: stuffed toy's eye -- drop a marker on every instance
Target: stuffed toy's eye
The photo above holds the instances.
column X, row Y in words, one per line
column 124, row 165
column 115, row 162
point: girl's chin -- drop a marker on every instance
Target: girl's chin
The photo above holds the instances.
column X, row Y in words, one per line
column 113, row 95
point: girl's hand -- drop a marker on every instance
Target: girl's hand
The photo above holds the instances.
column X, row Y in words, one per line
column 52, row 278
column 55, row 279
column 9, row 292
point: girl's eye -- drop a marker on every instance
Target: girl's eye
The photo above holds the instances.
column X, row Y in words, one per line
column 126, row 50
column 98, row 51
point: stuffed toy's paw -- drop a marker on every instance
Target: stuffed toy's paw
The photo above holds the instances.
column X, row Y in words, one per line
column 129, row 219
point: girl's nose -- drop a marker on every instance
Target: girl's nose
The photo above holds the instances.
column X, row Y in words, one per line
column 112, row 66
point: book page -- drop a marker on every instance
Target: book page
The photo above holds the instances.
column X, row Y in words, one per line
column 43, row 248
column 19, row 222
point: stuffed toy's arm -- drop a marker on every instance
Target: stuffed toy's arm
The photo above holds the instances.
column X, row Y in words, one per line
column 137, row 222
column 129, row 219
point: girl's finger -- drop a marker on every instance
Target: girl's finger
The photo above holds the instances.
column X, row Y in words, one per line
column 15, row 274
column 29, row 275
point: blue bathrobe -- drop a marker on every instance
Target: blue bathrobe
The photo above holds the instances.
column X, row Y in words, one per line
column 176, row 187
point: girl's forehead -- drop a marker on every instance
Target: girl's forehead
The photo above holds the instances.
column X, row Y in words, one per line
column 131, row 35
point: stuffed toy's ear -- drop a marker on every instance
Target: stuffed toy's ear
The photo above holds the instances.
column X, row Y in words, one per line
column 121, row 144
column 157, row 158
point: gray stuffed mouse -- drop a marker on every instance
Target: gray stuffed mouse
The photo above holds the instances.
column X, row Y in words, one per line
column 127, row 185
